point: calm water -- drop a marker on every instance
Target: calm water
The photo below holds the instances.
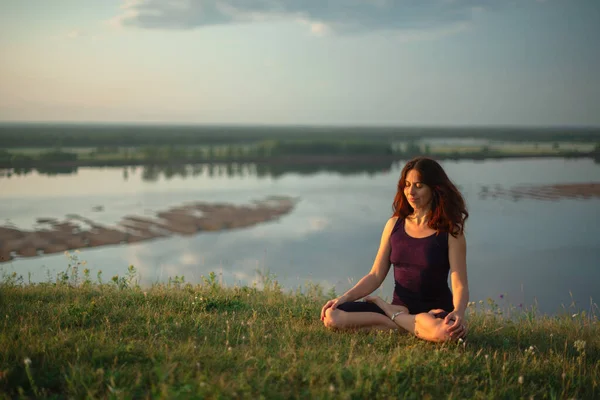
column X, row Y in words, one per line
column 526, row 250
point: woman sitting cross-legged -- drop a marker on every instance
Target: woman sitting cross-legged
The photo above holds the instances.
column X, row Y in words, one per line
column 424, row 241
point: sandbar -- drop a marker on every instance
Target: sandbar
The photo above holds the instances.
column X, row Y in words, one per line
column 77, row 232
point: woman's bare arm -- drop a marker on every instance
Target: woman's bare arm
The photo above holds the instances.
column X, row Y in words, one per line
column 374, row 278
column 381, row 266
column 457, row 255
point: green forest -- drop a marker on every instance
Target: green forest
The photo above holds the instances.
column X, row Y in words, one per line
column 80, row 135
column 68, row 146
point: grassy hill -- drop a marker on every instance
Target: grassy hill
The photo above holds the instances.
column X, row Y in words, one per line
column 74, row 338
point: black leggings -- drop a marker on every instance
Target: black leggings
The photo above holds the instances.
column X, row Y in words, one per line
column 362, row 306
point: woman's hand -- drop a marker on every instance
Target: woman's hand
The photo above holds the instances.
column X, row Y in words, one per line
column 457, row 328
column 332, row 304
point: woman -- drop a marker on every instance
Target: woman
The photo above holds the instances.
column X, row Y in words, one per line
column 425, row 242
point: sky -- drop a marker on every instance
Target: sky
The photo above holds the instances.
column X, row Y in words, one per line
column 302, row 62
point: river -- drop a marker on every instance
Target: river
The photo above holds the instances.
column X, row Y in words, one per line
column 521, row 250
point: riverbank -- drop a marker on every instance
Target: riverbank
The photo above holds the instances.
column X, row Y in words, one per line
column 77, row 232
column 75, row 338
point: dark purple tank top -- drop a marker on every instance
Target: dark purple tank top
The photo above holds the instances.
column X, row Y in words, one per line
column 421, row 269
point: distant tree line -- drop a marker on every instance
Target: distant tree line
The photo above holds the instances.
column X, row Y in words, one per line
column 220, row 152
column 46, row 157
column 72, row 135
column 307, row 150
column 153, row 172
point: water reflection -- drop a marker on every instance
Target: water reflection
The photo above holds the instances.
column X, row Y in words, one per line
column 243, row 170
column 254, row 171
column 47, row 171
column 542, row 192
column 154, row 172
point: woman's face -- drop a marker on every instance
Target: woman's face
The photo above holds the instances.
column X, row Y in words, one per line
column 418, row 194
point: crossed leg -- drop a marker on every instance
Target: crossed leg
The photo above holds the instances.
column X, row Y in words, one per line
column 423, row 325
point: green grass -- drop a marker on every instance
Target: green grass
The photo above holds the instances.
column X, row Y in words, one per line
column 71, row 338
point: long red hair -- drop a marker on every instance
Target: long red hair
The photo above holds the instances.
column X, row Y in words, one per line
column 448, row 210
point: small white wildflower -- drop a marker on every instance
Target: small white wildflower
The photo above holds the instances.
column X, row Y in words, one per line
column 552, row 335
column 486, row 356
column 229, row 348
column 27, row 361
column 193, row 303
column 331, row 388
column 460, row 340
column 243, row 337
column 521, row 380
column 574, row 315
column 579, row 345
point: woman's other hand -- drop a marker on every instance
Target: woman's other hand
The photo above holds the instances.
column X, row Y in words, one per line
column 457, row 328
column 333, row 303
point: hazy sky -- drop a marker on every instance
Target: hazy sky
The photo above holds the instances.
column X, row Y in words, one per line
column 342, row 62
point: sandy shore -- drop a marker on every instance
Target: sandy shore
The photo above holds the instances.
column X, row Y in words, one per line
column 76, row 232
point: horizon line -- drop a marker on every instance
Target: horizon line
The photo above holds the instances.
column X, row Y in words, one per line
column 299, row 125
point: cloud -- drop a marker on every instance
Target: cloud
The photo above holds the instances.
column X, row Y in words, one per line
column 74, row 34
column 318, row 28
column 78, row 34
column 321, row 16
